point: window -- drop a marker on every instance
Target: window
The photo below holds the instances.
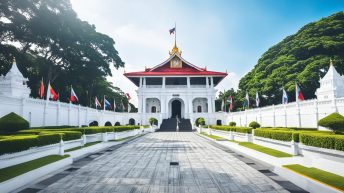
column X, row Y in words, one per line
column 199, row 109
column 153, row 110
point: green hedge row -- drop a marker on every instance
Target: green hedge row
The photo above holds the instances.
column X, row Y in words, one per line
column 21, row 143
column 274, row 134
column 323, row 140
column 66, row 135
column 232, row 128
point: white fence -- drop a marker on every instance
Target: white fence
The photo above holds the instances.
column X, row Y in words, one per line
column 303, row 114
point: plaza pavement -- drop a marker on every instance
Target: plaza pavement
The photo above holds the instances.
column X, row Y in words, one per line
column 144, row 165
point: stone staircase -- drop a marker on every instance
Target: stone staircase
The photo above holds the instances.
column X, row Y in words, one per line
column 170, row 125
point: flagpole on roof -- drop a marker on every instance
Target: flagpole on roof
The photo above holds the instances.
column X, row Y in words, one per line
column 175, row 33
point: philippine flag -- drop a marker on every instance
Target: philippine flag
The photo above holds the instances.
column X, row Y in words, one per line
column 284, row 97
column 73, row 98
column 299, row 95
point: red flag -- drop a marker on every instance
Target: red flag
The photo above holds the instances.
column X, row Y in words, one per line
column 41, row 89
column 128, row 96
column 299, row 95
column 73, row 98
column 230, row 102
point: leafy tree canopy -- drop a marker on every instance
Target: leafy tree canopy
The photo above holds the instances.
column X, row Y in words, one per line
column 50, row 41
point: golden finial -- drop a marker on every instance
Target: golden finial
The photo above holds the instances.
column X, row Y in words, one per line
column 175, row 49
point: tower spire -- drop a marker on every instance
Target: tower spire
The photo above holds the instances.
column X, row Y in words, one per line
column 175, row 48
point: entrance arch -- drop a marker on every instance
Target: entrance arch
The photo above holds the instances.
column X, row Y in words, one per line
column 176, row 108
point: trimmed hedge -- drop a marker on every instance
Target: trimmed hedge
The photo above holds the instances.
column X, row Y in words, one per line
column 21, row 143
column 12, row 123
column 153, row 121
column 66, row 135
column 322, row 140
column 232, row 123
column 334, row 121
column 274, row 134
column 254, row 125
column 230, row 128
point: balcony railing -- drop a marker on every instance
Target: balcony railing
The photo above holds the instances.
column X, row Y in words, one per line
column 176, row 86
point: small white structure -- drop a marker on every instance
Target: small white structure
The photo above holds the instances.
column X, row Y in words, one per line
column 14, row 83
column 331, row 85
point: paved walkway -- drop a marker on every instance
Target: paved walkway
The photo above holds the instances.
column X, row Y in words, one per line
column 144, row 166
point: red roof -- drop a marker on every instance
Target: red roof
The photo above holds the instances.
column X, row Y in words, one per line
column 164, row 69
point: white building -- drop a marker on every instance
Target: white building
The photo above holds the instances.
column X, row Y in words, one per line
column 176, row 88
column 331, row 85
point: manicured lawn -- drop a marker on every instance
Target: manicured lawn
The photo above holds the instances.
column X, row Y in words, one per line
column 122, row 139
column 16, row 170
column 331, row 179
column 265, row 150
column 213, row 136
column 86, row 145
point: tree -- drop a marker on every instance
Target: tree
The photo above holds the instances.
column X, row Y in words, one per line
column 52, row 42
column 302, row 57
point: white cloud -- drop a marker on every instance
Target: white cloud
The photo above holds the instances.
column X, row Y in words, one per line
column 231, row 81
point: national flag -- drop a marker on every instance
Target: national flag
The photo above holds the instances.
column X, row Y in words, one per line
column 73, row 98
column 230, row 102
column 247, row 100
column 114, row 104
column 51, row 94
column 107, row 104
column 97, row 103
column 41, row 89
column 172, row 31
column 299, row 95
column 128, row 96
column 257, row 99
column 284, row 97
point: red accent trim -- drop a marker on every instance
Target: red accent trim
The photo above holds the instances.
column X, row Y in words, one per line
column 175, row 73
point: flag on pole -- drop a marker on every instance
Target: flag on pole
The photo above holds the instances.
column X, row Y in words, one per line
column 97, row 103
column 172, row 31
column 128, row 96
column 284, row 97
column 230, row 103
column 73, row 98
column 41, row 89
column 257, row 99
column 51, row 94
column 247, row 100
column 223, row 105
column 114, row 104
column 299, row 95
column 107, row 104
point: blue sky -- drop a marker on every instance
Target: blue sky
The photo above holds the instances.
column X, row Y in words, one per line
column 219, row 34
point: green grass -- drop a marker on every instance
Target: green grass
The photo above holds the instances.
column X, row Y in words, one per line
column 265, row 150
column 122, row 139
column 80, row 147
column 213, row 136
column 16, row 170
column 331, row 179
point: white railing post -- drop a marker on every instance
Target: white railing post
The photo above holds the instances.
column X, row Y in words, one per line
column 104, row 137
column 231, row 136
column 252, row 136
column 273, row 116
column 61, row 147
column 294, row 148
column 84, row 139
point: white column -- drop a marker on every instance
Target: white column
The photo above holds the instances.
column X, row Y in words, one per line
column 144, row 105
column 163, row 82
column 190, row 105
column 209, row 104
column 188, row 81
column 213, row 104
column 207, row 82
column 274, row 116
column 140, row 82
column 211, row 82
column 144, row 82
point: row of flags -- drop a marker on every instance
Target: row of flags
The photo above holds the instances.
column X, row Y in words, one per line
column 52, row 95
column 246, row 103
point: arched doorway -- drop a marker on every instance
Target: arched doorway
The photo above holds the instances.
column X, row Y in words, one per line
column 131, row 121
column 108, row 123
column 153, row 110
column 176, row 109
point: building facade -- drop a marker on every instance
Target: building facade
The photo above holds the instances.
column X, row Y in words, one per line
column 176, row 88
